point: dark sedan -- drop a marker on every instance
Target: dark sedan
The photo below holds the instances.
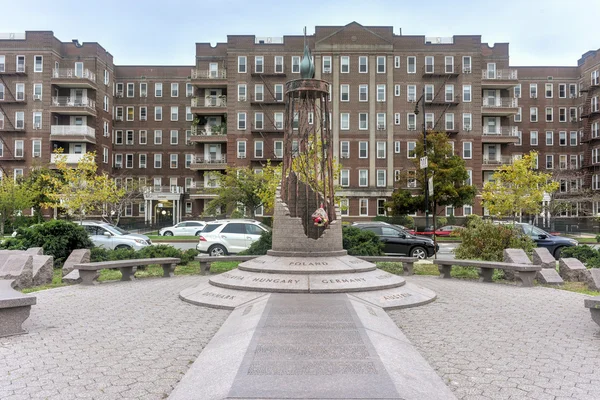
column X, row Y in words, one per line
column 399, row 242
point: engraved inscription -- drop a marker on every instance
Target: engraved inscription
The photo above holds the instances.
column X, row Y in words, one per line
column 275, row 280
column 218, row 295
column 247, row 309
column 397, row 296
column 386, row 276
column 371, row 311
column 308, row 264
column 230, row 276
column 351, row 280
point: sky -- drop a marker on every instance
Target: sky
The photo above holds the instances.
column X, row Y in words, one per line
column 151, row 32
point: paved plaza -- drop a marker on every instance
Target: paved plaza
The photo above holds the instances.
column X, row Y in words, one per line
column 137, row 340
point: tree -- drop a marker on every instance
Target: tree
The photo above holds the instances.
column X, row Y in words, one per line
column 449, row 176
column 40, row 181
column 14, row 197
column 81, row 190
column 246, row 187
column 118, row 199
column 517, row 188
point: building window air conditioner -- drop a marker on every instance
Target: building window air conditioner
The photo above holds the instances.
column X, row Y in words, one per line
column 466, row 70
column 380, row 127
column 37, row 126
column 37, row 97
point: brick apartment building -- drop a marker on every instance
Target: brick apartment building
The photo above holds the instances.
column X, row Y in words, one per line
column 172, row 128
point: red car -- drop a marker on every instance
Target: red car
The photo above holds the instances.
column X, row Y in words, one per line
column 447, row 230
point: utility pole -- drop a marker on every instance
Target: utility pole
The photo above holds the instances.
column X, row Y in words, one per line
column 426, row 184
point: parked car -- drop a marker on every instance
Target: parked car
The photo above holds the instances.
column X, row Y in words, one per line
column 112, row 237
column 185, row 228
column 398, row 241
column 553, row 243
column 447, row 230
column 229, row 236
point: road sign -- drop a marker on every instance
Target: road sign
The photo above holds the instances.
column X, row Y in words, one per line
column 424, row 162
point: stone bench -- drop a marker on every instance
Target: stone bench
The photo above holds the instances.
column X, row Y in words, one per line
column 206, row 261
column 14, row 309
column 594, row 305
column 89, row 271
column 407, row 262
column 525, row 272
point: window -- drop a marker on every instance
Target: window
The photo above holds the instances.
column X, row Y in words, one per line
column 429, row 121
column 449, row 117
column 259, row 92
column 242, row 92
column 396, row 90
column 188, row 162
column 549, row 138
column 36, row 148
column 118, row 160
column 518, row 116
column 130, row 113
column 259, row 119
column 363, row 177
column 38, row 65
column 363, row 92
column 429, row 64
column 278, row 149
column 344, row 92
column 158, row 113
column 20, row 63
column 105, row 155
column 572, row 90
column 37, row 120
column 562, row 114
column 466, row 64
column 188, row 114
column 533, row 138
column 469, row 180
column 345, row 64
column 20, row 89
column 259, row 149
column 429, row 89
column 381, row 149
column 396, row 118
column 411, row 65
column 345, row 178
column 130, row 90
column 158, row 161
column 449, row 95
column 381, row 64
column 573, row 138
column 562, row 161
column 381, row 121
column 189, row 90
column 105, row 125
column 144, row 89
column 397, row 62
column 173, row 161
column 158, row 137
column 345, row 149
column 549, row 90
column 142, row 160
column 467, row 150
column 174, row 89
column 158, row 89
column 279, row 92
column 344, row 207
column 363, row 149
column 549, row 161
column 1, row 91
column 278, row 117
column 241, row 64
column 20, row 120
column 449, row 64
column 533, row 90
column 363, row 121
column 397, row 147
column 344, row 121
column 562, row 90
column 143, row 137
column 519, row 135
column 411, row 121
column 326, row 64
column 295, row 64
column 129, row 139
column 410, row 149
column 466, row 93
column 241, row 149
column 241, row 121
column 174, row 137
column 380, row 93
column 363, row 65
column 128, row 160
column 533, row 114
column 381, row 178
column 2, row 63
column 259, row 64
column 517, row 91
column 411, row 93
column 562, row 138
column 105, row 104
column 363, row 207
column 279, row 64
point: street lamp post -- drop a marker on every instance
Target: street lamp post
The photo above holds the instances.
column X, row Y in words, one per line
column 422, row 101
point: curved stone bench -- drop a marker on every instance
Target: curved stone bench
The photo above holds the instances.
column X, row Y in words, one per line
column 525, row 272
column 14, row 309
column 594, row 305
column 89, row 271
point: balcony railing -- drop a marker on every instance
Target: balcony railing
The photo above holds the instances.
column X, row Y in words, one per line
column 500, row 131
column 74, row 130
column 69, row 158
column 70, row 73
column 164, row 189
column 500, row 74
column 206, row 74
column 64, row 101
column 209, row 101
column 210, row 160
column 206, row 131
column 497, row 160
column 505, row 102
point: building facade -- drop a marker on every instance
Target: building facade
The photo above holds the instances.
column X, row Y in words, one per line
column 172, row 129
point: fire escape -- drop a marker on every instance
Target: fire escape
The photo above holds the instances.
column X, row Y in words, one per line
column 591, row 135
column 8, row 126
column 440, row 100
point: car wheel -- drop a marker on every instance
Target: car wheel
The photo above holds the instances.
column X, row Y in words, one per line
column 557, row 252
column 419, row 253
column 123, row 246
column 168, row 233
column 217, row 251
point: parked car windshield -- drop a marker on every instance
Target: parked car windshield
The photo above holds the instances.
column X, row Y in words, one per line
column 116, row 229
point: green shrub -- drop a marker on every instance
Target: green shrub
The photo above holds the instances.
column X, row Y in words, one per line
column 586, row 254
column 359, row 242
column 441, row 221
column 472, row 219
column 158, row 251
column 598, row 238
column 484, row 240
column 260, row 247
column 58, row 238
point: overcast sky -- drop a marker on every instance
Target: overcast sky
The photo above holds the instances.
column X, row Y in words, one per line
column 150, row 32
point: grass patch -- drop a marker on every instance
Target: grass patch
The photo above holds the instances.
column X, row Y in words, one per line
column 223, row 266
column 56, row 282
column 584, row 240
column 577, row 287
column 391, row 267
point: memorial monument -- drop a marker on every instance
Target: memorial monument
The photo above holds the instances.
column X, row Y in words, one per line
column 307, row 254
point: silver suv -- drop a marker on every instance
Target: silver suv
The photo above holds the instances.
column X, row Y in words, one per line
column 113, row 237
column 219, row 238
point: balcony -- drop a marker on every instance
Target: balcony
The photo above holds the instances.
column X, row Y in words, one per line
column 163, row 192
column 209, row 163
column 73, row 133
column 69, row 158
column 205, row 135
column 493, row 162
column 207, row 78
column 499, row 79
column 499, row 107
column 68, row 77
column 73, row 106
column 499, row 134
column 201, row 191
column 210, row 105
